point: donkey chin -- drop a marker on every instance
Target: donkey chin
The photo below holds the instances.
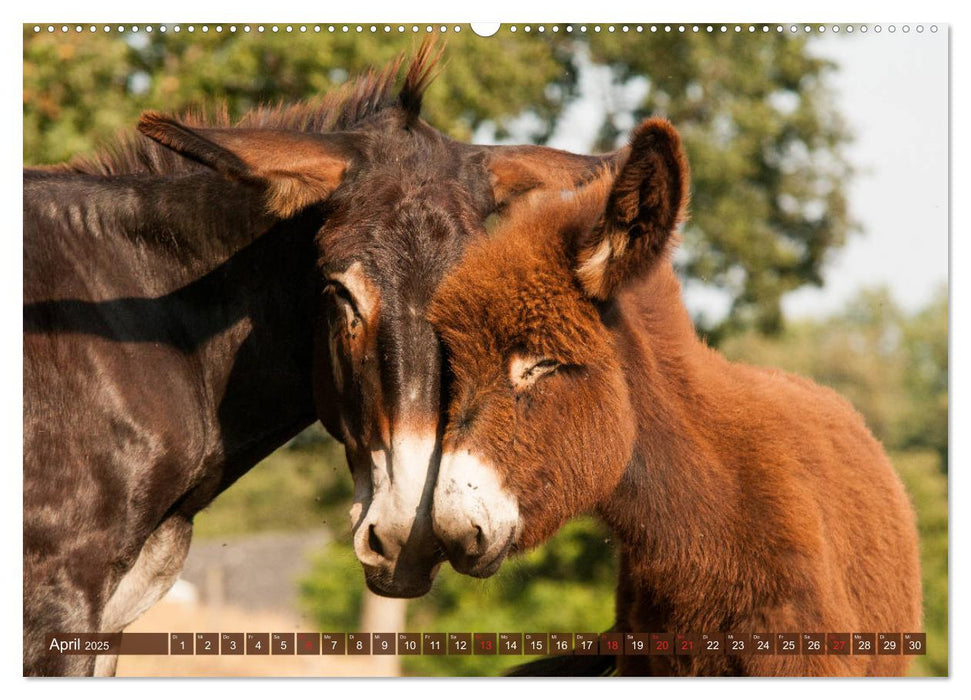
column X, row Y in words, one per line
column 394, row 584
column 474, row 517
column 403, row 562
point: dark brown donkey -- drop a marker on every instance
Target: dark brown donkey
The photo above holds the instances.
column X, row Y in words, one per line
column 192, row 302
column 744, row 499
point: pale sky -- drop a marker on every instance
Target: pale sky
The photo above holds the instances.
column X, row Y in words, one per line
column 893, row 91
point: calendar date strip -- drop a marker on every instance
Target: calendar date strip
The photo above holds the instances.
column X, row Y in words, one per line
column 488, row 643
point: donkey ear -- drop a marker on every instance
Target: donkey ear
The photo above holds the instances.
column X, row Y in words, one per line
column 517, row 170
column 647, row 201
column 296, row 169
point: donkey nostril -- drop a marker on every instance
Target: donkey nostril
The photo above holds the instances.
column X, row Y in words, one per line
column 374, row 542
column 479, row 537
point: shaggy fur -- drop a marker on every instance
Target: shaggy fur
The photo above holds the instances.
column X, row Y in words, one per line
column 744, row 499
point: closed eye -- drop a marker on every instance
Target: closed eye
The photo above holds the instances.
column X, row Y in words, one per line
column 525, row 370
column 342, row 302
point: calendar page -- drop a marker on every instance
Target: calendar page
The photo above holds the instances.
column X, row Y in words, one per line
column 547, row 349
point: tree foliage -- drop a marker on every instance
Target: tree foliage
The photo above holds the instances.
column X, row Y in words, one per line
column 765, row 144
column 761, row 129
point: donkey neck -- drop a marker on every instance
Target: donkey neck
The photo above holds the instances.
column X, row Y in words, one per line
column 188, row 263
column 672, row 496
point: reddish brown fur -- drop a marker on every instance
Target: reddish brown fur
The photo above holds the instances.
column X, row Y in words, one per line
column 745, row 499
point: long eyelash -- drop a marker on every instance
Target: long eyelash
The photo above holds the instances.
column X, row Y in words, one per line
column 341, row 291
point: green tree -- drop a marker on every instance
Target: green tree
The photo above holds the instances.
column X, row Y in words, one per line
column 80, row 89
column 759, row 123
column 925, row 378
column 765, row 142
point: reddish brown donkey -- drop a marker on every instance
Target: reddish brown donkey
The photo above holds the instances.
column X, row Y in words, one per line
column 744, row 499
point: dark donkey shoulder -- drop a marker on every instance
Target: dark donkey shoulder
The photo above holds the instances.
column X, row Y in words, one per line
column 194, row 299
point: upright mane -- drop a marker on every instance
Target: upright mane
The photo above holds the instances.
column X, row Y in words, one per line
column 356, row 100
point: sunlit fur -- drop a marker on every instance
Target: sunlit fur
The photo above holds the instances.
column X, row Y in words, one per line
column 743, row 499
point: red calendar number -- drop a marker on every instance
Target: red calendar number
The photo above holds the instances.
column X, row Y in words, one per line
column 838, row 643
column 686, row 644
column 485, row 643
column 661, row 644
column 612, row 643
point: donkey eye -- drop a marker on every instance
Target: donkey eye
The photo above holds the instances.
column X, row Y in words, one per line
column 543, row 366
column 342, row 303
column 525, row 370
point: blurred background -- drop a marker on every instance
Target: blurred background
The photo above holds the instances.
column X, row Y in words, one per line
column 818, row 243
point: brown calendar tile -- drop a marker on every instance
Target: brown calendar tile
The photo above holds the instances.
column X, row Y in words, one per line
column 838, row 643
column 711, row 644
column 812, row 643
column 888, row 643
column 382, row 643
column 536, row 643
column 612, row 643
column 308, row 643
column 409, row 643
column 485, row 643
column 207, row 643
column 510, row 643
column 686, row 644
column 433, row 644
column 738, row 643
column 181, row 643
column 586, row 644
column 637, row 643
column 333, row 643
column 283, row 643
column 257, row 643
column 662, row 644
column 763, row 643
column 787, row 644
column 358, row 643
column 231, row 643
column 914, row 643
column 459, row 643
column 561, row 642
column 864, row 643
column 154, row 643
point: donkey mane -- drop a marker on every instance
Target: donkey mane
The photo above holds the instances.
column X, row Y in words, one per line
column 367, row 95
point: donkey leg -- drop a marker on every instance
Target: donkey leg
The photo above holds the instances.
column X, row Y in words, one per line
column 159, row 564
column 54, row 603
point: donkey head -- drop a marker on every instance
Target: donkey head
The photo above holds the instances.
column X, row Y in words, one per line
column 540, row 425
column 398, row 202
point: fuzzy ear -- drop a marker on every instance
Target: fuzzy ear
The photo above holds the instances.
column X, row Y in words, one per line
column 647, row 201
column 296, row 169
column 517, row 170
